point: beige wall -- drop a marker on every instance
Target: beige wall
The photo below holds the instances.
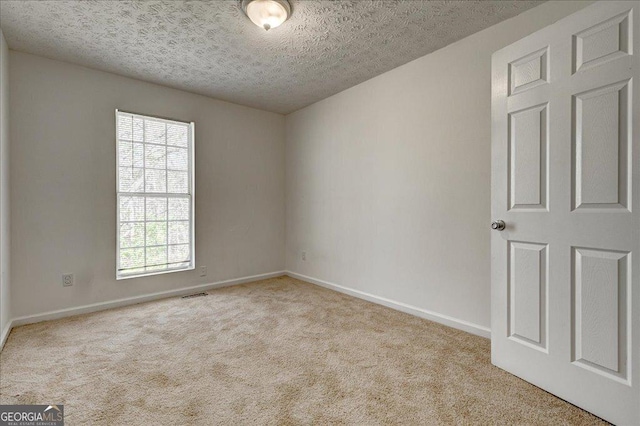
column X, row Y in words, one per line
column 5, row 234
column 63, row 185
column 388, row 183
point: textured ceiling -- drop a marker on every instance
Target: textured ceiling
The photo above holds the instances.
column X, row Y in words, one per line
column 211, row 47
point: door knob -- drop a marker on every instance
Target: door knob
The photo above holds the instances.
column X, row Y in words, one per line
column 498, row 225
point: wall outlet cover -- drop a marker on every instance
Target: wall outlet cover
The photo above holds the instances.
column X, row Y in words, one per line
column 67, row 280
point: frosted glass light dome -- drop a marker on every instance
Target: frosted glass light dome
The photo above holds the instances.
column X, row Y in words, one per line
column 267, row 14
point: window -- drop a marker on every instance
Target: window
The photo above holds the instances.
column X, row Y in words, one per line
column 154, row 195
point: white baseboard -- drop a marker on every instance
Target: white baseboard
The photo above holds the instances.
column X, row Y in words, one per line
column 5, row 333
column 101, row 306
column 467, row 326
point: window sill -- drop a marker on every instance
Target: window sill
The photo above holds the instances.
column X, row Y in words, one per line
column 150, row 274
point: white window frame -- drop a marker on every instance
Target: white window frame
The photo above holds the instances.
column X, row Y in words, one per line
column 191, row 194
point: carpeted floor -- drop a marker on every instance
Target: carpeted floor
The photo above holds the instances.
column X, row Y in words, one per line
column 278, row 351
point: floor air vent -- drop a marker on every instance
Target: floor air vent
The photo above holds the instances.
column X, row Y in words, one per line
column 191, row 296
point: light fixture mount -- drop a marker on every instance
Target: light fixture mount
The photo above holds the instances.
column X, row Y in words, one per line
column 267, row 14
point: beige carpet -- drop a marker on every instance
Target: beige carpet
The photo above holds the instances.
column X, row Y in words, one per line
column 278, row 351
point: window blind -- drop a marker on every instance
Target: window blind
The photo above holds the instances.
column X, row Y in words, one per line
column 154, row 195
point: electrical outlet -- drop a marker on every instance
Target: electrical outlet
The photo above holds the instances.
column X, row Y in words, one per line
column 304, row 255
column 203, row 271
column 67, row 280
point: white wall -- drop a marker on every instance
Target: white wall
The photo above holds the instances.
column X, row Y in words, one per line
column 388, row 183
column 5, row 235
column 63, row 184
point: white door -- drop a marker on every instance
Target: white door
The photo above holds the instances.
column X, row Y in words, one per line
column 566, row 182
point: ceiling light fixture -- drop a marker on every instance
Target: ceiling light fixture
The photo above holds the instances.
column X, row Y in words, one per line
column 267, row 14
